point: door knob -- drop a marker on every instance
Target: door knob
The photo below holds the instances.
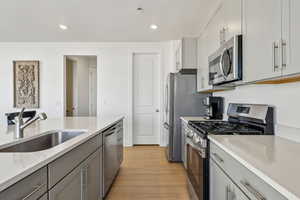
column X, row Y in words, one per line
column 157, row 110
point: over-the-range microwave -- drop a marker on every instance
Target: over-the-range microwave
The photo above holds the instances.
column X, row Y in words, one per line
column 225, row 65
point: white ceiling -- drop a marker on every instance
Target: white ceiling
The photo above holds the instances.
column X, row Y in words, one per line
column 101, row 20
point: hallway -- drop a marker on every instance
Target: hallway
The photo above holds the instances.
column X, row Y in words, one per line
column 146, row 175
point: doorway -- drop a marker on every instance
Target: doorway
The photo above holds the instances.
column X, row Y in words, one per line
column 145, row 99
column 81, row 86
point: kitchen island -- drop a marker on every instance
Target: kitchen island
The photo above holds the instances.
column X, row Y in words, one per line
column 16, row 166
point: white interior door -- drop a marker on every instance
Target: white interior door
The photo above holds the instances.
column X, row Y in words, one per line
column 145, row 99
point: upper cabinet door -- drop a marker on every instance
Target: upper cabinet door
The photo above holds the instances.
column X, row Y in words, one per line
column 262, row 34
column 290, row 43
column 202, row 72
column 232, row 11
column 213, row 32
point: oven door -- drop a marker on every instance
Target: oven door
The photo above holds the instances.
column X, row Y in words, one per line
column 198, row 171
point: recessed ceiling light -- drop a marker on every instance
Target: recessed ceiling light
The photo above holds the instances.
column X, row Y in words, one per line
column 63, row 27
column 153, row 26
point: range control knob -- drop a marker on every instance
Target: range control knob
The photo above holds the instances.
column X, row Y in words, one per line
column 196, row 139
column 190, row 134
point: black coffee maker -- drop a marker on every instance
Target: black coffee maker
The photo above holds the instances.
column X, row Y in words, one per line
column 214, row 107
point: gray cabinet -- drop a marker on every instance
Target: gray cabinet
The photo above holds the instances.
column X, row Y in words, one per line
column 185, row 53
column 248, row 182
column 221, row 187
column 30, row 188
column 68, row 188
column 92, row 178
column 83, row 183
column 76, row 175
column 66, row 163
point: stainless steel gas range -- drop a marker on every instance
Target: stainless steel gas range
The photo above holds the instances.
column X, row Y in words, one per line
column 243, row 119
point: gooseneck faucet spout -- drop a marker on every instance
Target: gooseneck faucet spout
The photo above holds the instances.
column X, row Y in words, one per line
column 20, row 125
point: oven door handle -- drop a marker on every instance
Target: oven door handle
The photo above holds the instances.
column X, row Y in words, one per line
column 201, row 151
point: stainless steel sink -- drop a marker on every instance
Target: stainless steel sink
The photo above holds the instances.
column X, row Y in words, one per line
column 43, row 142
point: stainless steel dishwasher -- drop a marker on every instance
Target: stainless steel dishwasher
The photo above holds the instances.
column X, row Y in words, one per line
column 113, row 154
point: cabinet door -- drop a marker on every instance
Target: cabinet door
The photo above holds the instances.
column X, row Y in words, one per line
column 238, row 194
column 201, row 56
column 221, row 187
column 262, row 32
column 68, row 188
column 91, row 182
column 213, row 32
column 219, row 183
column 189, row 53
column 203, row 71
column 29, row 188
column 178, row 54
column 290, row 39
column 83, row 183
column 232, row 10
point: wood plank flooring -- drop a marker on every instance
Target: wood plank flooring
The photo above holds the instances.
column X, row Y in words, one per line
column 146, row 175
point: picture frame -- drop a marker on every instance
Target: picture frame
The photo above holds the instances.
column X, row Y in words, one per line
column 26, row 84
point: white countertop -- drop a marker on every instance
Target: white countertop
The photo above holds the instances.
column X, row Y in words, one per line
column 187, row 119
column 274, row 159
column 15, row 166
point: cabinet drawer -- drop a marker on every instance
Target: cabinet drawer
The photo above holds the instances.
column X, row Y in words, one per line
column 70, row 187
column 251, row 184
column 84, row 182
column 29, row 188
column 64, row 165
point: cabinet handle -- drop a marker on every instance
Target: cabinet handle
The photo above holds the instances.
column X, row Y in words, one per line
column 283, row 54
column 219, row 158
column 83, row 183
column 230, row 195
column 275, row 48
column 37, row 188
column 227, row 192
column 253, row 191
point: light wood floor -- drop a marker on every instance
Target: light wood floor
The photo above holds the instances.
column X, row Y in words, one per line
column 147, row 175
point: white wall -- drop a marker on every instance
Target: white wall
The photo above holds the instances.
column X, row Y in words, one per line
column 285, row 98
column 114, row 72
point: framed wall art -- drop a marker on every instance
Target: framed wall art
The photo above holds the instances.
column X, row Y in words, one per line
column 26, row 84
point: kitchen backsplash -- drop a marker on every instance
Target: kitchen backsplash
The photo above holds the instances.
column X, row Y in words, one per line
column 284, row 97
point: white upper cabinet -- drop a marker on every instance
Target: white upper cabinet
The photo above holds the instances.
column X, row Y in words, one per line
column 290, row 42
column 213, row 32
column 225, row 23
column 185, row 52
column 232, row 12
column 262, row 34
column 202, row 72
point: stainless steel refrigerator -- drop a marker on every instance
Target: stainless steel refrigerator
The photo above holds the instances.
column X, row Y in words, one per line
column 181, row 99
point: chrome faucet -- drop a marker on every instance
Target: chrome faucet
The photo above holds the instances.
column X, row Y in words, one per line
column 20, row 125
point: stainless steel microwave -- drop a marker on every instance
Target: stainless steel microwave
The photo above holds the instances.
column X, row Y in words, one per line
column 225, row 65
